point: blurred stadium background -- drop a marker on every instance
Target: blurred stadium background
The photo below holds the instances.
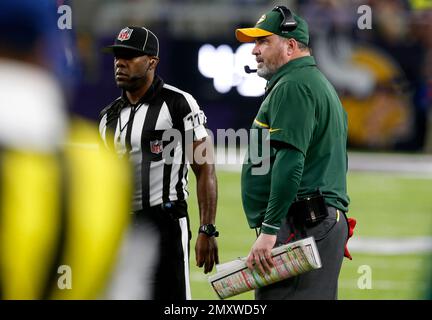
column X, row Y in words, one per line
column 383, row 76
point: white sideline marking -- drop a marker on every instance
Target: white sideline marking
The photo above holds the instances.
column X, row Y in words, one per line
column 390, row 246
column 416, row 166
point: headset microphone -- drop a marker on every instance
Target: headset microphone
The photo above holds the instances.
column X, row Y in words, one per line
column 247, row 69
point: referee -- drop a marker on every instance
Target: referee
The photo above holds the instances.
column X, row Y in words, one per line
column 155, row 262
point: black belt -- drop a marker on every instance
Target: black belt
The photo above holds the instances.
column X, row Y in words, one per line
column 176, row 209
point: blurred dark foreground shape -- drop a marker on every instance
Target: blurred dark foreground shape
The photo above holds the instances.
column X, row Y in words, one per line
column 63, row 201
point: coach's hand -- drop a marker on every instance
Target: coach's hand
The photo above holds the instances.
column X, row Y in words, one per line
column 206, row 252
column 260, row 253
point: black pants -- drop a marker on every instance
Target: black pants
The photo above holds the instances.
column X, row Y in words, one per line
column 153, row 263
column 330, row 236
column 170, row 280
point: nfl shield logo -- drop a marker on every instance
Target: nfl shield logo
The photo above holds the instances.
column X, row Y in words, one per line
column 124, row 34
column 156, row 146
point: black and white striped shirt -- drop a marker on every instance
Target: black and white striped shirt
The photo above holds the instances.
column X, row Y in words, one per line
column 137, row 132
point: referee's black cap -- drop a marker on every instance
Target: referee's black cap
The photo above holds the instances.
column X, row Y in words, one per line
column 139, row 39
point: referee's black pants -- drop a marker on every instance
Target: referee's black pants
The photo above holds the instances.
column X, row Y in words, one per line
column 330, row 235
column 170, row 277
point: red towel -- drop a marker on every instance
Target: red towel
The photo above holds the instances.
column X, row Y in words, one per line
column 351, row 224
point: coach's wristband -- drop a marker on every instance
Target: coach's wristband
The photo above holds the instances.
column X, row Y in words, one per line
column 269, row 229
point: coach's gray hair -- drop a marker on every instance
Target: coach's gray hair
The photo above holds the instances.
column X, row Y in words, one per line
column 303, row 47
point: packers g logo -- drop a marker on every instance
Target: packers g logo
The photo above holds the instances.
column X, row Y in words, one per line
column 263, row 17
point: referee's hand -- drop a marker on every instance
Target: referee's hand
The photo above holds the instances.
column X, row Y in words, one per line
column 206, row 252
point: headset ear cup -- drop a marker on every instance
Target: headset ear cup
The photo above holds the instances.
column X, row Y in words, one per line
column 288, row 22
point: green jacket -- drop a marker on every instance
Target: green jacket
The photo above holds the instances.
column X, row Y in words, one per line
column 303, row 120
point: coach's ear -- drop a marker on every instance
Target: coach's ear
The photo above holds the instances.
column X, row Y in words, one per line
column 292, row 45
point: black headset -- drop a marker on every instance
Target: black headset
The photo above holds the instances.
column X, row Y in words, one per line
column 288, row 23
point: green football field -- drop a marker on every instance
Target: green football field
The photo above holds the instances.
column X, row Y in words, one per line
column 385, row 206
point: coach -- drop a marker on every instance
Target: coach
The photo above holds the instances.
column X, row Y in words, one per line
column 304, row 194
